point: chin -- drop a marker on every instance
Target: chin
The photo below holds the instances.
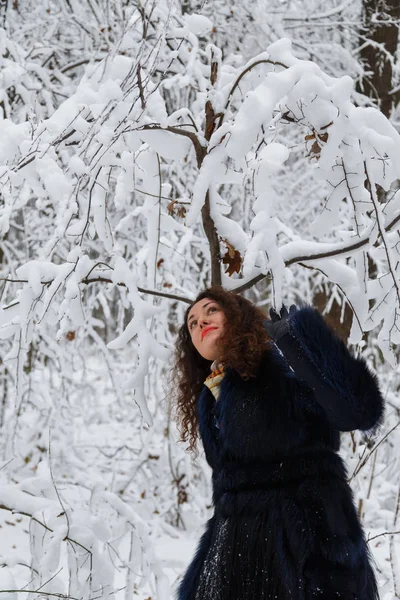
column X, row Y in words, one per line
column 209, row 357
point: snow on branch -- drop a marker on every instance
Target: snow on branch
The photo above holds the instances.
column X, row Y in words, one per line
column 88, row 536
column 110, row 156
column 137, row 165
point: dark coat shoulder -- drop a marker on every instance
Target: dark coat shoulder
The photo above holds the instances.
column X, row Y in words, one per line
column 277, row 413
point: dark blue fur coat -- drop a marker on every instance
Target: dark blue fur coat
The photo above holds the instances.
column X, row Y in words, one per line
column 285, row 525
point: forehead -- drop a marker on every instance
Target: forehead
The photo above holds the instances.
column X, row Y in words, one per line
column 198, row 306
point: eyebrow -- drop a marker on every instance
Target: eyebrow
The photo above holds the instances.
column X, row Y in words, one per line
column 204, row 305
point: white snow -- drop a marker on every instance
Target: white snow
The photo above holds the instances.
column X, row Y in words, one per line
column 101, row 220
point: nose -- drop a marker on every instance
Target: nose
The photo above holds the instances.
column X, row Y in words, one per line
column 203, row 322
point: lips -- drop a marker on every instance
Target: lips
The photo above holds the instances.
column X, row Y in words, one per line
column 206, row 330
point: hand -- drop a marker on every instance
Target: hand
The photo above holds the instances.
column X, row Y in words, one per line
column 278, row 324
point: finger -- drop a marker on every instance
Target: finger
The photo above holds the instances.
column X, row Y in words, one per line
column 284, row 312
column 273, row 314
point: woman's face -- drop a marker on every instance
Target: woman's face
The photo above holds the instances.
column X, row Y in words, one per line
column 206, row 322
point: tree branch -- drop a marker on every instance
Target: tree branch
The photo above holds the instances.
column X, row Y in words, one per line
column 343, row 250
column 199, row 149
column 212, row 236
column 380, row 534
column 86, row 280
column 238, row 80
column 66, row 538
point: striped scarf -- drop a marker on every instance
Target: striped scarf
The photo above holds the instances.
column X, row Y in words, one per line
column 215, row 377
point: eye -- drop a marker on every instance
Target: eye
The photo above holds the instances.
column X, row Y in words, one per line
column 194, row 321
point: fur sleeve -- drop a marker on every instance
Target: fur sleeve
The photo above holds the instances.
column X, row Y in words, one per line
column 348, row 391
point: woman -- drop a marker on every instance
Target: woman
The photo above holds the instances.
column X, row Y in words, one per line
column 269, row 415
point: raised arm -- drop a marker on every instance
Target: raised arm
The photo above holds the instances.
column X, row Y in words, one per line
column 343, row 385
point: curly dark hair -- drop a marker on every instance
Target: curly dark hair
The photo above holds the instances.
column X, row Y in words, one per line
column 241, row 347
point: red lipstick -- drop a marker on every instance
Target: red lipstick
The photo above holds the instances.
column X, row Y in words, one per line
column 206, row 330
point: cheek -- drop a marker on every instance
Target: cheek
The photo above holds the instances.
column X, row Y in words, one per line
column 196, row 339
column 223, row 321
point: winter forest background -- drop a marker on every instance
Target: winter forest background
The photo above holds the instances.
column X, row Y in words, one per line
column 148, row 149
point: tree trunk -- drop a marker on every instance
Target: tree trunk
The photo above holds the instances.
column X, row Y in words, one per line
column 379, row 40
column 379, row 35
